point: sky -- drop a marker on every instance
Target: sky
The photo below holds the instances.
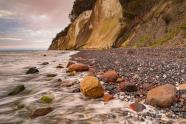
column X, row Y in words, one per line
column 32, row 24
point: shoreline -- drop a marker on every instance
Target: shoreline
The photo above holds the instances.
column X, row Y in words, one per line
column 68, row 104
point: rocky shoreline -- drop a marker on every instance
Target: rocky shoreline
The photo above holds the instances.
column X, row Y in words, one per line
column 94, row 86
column 154, row 76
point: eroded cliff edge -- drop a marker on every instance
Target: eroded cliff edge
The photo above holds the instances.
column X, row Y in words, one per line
column 126, row 23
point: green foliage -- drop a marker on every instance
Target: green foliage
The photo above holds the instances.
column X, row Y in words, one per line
column 141, row 42
column 81, row 6
column 46, row 99
column 134, row 8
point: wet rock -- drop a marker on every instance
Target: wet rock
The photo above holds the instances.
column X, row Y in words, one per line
column 78, row 68
column 59, row 66
column 138, row 107
column 162, row 96
column 45, row 63
column 130, row 87
column 41, row 112
column 17, row 90
column 46, row 99
column 51, row 75
column 70, row 63
column 32, row 70
column 108, row 97
column 91, row 87
column 110, row 76
column 110, row 87
column 76, row 90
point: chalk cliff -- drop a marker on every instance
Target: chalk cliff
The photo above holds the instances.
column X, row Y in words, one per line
column 123, row 23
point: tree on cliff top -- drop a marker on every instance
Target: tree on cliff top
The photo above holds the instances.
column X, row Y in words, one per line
column 80, row 6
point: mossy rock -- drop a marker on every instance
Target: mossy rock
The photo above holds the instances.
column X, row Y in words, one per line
column 46, row 99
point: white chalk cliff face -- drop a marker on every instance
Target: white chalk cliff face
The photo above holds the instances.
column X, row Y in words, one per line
column 105, row 24
column 98, row 28
column 69, row 41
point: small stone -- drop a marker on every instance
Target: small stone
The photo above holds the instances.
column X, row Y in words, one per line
column 41, row 112
column 59, row 66
column 108, row 97
column 121, row 87
column 110, row 87
column 17, row 90
column 110, row 76
column 45, row 63
column 78, row 68
column 164, row 76
column 76, row 90
column 46, row 99
column 162, row 96
column 182, row 86
column 130, row 87
column 51, row 75
column 91, row 87
column 72, row 73
column 120, row 80
column 32, row 70
column 138, row 107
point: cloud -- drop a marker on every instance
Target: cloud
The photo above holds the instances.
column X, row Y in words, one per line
column 34, row 21
column 5, row 13
column 10, row 38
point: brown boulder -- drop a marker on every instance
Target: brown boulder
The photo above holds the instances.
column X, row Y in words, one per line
column 91, row 87
column 110, row 76
column 78, row 68
column 162, row 96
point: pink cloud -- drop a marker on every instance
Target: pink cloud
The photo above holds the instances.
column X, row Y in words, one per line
column 45, row 16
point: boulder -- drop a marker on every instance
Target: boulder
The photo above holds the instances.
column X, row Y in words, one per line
column 17, row 90
column 91, row 87
column 78, row 68
column 32, row 70
column 162, row 96
column 41, row 112
column 110, row 76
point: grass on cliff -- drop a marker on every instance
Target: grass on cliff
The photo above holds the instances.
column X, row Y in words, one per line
column 168, row 36
column 141, row 42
